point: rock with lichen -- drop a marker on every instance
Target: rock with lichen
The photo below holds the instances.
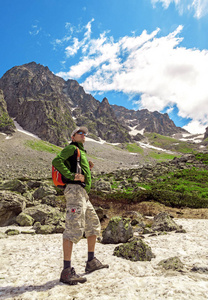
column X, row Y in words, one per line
column 119, row 230
column 134, row 250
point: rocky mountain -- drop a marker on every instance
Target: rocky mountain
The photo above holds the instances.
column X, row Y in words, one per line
column 51, row 108
column 6, row 123
column 146, row 121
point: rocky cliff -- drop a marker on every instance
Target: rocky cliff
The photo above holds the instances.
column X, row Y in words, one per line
column 51, row 108
column 6, row 123
column 146, row 121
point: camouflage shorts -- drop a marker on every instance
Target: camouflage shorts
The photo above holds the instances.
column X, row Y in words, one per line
column 80, row 214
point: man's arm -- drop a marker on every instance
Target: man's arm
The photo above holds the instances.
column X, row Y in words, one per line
column 58, row 162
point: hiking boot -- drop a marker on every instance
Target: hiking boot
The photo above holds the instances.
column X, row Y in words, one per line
column 94, row 265
column 69, row 276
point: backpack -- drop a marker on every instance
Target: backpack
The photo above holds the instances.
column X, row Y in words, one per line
column 56, row 175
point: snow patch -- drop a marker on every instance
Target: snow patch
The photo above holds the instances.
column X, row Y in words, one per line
column 20, row 129
column 134, row 131
column 155, row 148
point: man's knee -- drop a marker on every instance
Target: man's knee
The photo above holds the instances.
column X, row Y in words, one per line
column 74, row 237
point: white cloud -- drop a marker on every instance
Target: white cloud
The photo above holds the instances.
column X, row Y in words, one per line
column 153, row 68
column 195, row 127
column 200, row 7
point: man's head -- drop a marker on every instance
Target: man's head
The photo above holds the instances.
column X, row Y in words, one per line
column 78, row 135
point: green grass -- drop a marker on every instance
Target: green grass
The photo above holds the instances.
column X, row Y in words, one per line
column 169, row 143
column 162, row 155
column 43, row 146
column 202, row 157
column 134, row 148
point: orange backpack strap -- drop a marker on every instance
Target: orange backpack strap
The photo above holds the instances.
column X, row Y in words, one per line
column 56, row 177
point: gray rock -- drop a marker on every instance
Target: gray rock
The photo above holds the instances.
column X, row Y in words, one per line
column 11, row 205
column 100, row 212
column 44, row 191
column 102, row 185
column 44, row 214
column 163, row 222
column 13, row 185
column 12, row 232
column 24, row 220
column 200, row 269
column 135, row 217
column 172, row 263
column 119, row 230
column 134, row 250
column 44, row 229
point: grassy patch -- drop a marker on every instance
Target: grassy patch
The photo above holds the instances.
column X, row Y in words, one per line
column 169, row 143
column 43, row 146
column 162, row 155
column 134, row 148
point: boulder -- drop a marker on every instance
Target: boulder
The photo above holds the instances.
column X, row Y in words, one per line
column 11, row 205
column 163, row 222
column 134, row 250
column 49, row 200
column 43, row 191
column 44, row 214
column 13, row 185
column 135, row 217
column 172, row 263
column 43, row 229
column 102, row 185
column 119, row 230
column 24, row 220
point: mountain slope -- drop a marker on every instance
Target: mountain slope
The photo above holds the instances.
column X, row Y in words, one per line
column 146, row 121
column 6, row 123
column 50, row 107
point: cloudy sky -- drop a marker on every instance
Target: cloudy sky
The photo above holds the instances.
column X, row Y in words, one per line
column 138, row 53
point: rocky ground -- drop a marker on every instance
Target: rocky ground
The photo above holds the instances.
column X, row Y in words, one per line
column 30, row 268
column 18, row 160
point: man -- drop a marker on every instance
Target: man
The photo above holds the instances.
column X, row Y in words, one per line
column 80, row 214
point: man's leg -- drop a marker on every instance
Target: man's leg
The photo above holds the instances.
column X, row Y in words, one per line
column 67, row 249
column 91, row 241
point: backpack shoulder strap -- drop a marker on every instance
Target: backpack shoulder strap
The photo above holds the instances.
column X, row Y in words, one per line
column 78, row 154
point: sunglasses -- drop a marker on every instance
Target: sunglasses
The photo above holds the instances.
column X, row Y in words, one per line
column 81, row 132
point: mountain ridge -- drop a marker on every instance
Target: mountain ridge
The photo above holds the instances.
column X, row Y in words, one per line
column 50, row 107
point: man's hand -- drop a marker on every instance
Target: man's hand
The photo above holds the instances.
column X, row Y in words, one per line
column 79, row 177
column 91, row 164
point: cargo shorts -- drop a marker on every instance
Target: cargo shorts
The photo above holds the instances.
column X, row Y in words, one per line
column 80, row 214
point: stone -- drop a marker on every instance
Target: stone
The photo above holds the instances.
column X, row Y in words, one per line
column 163, row 222
column 49, row 200
column 12, row 232
column 13, row 185
column 200, row 269
column 44, row 191
column 45, row 229
column 135, row 217
column 134, row 250
column 101, row 185
column 24, row 220
column 11, row 205
column 119, row 230
column 44, row 214
column 100, row 212
column 172, row 263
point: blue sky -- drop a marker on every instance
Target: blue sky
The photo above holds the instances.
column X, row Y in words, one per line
column 138, row 53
